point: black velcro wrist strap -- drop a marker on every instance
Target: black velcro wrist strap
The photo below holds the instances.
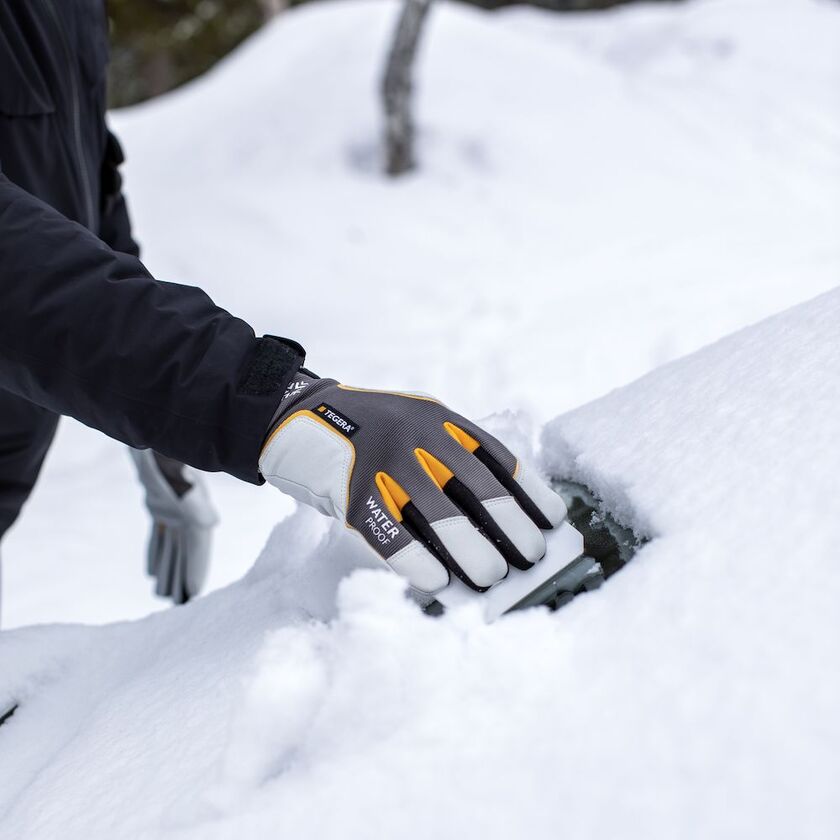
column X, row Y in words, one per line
column 272, row 366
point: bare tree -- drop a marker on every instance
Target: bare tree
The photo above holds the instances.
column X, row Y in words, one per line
column 397, row 87
column 272, row 8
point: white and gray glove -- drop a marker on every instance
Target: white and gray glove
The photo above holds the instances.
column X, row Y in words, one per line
column 183, row 518
column 430, row 492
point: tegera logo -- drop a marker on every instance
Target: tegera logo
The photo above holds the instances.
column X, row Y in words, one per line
column 340, row 421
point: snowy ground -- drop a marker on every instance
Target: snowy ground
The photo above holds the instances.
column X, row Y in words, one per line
column 599, row 195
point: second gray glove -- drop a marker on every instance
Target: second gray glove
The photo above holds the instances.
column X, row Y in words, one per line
column 183, row 518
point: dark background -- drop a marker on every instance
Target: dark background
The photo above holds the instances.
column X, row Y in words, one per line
column 160, row 44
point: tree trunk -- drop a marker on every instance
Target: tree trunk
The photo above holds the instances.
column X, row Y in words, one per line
column 272, row 8
column 397, row 87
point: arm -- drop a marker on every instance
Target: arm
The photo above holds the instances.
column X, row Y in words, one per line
column 86, row 331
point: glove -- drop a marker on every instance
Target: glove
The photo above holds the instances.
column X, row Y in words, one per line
column 430, row 492
column 183, row 518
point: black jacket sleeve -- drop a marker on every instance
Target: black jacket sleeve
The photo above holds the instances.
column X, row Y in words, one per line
column 114, row 221
column 86, row 331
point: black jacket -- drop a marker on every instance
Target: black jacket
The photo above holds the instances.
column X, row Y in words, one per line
column 85, row 330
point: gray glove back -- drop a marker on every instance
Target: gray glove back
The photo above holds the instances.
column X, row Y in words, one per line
column 183, row 518
column 431, row 493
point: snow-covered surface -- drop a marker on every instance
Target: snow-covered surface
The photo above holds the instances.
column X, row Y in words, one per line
column 599, row 194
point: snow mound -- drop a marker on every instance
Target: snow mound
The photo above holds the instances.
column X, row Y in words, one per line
column 734, row 435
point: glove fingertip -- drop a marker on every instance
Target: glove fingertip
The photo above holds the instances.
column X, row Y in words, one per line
column 549, row 503
column 423, row 571
column 518, row 527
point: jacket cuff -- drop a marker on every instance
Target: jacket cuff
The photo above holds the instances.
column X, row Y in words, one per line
column 272, row 367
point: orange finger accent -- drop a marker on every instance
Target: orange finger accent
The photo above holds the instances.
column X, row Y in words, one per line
column 466, row 440
column 393, row 495
column 438, row 472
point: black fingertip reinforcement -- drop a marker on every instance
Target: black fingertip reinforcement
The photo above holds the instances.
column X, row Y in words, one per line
column 514, row 488
column 418, row 526
column 183, row 595
column 4, row 716
column 472, row 508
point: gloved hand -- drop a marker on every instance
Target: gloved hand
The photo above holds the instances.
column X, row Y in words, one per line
column 430, row 492
column 183, row 518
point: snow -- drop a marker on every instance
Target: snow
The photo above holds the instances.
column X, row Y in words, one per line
column 599, row 195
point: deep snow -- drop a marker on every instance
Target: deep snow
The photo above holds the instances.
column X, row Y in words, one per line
column 599, row 194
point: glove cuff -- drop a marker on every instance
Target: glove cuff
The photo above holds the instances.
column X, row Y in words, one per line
column 272, row 366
